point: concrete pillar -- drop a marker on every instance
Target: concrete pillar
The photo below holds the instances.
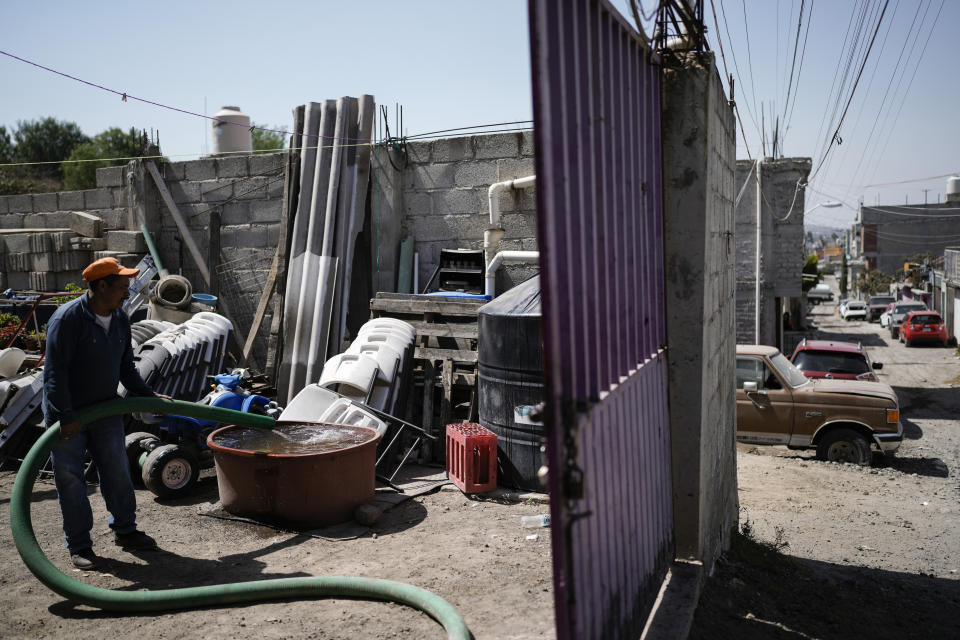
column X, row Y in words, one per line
column 699, row 152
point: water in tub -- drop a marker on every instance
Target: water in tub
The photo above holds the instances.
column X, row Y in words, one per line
column 294, row 438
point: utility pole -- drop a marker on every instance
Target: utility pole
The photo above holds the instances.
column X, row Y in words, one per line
column 756, row 301
column 925, row 196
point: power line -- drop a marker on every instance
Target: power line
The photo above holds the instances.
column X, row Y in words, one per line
column 836, row 133
column 723, row 58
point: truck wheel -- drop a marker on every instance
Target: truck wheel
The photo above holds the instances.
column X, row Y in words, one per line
column 133, row 444
column 170, row 471
column 845, row 445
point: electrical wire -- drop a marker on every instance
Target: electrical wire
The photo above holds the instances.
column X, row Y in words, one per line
column 836, row 134
column 803, row 53
column 723, row 58
column 476, row 126
column 733, row 54
column 796, row 44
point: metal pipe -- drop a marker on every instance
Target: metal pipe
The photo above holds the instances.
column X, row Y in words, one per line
column 756, row 302
column 500, row 258
column 153, row 251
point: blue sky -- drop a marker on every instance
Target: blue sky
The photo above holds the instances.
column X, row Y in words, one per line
column 460, row 63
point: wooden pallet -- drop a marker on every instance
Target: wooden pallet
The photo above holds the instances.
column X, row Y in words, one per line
column 445, row 354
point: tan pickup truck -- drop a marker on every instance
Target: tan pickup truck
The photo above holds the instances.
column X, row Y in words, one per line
column 841, row 419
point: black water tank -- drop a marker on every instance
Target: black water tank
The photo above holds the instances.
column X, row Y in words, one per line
column 510, row 359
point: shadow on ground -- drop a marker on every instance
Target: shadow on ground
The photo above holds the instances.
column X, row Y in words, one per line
column 930, row 467
column 926, row 403
column 757, row 592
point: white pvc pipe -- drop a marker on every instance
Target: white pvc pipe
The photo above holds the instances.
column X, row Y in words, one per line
column 494, row 192
column 500, row 258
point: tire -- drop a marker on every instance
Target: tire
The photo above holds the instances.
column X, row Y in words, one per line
column 133, row 444
column 170, row 471
column 845, row 445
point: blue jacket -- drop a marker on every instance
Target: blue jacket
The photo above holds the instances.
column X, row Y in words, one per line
column 84, row 365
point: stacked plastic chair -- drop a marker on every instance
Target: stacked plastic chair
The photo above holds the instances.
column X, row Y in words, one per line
column 176, row 360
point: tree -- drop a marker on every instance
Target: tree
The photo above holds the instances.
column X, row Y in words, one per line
column 46, row 140
column 6, row 146
column 112, row 143
column 810, row 272
column 266, row 141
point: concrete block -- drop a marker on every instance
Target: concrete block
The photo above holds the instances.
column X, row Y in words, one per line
column 519, row 225
column 499, row 145
column 51, row 220
column 458, row 201
column 41, row 281
column 475, row 174
column 526, row 144
column 110, row 177
column 513, row 168
column 120, row 197
column 217, row 191
column 70, row 200
column 88, row 244
column 452, row 150
column 250, row 236
column 18, row 280
column 126, row 241
column 21, row 203
column 40, row 242
column 45, row 202
column 232, row 167
column 234, row 213
column 12, row 221
column 130, row 260
column 112, row 218
column 184, row 191
column 450, row 227
column 4, row 205
column 18, row 242
column 418, row 203
column 264, row 210
column 529, row 244
column 61, row 240
column 97, row 255
column 431, row 176
column 174, row 170
column 255, row 188
column 266, row 164
column 61, row 280
column 97, row 199
column 273, row 235
column 200, row 169
column 275, row 187
column 17, row 261
column 417, row 153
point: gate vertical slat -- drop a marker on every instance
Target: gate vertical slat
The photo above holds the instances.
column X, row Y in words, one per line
column 597, row 115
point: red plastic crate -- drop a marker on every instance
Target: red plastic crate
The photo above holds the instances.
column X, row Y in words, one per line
column 472, row 457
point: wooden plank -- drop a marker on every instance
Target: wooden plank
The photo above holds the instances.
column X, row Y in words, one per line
column 446, row 401
column 444, row 329
column 415, row 305
column 291, row 173
column 4, row 232
column 455, row 355
column 428, row 381
column 262, row 306
column 213, row 250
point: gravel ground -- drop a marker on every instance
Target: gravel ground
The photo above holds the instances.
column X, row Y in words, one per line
column 883, row 540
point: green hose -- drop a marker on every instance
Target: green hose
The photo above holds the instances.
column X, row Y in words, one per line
column 191, row 597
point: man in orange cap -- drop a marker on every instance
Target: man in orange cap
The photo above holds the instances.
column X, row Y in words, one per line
column 88, row 355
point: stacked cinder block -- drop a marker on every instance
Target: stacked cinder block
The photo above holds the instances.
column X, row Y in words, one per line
column 42, row 260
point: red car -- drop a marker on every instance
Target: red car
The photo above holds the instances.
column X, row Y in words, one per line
column 923, row 326
column 836, row 360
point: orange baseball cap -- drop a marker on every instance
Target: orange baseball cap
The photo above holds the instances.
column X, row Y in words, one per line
column 106, row 267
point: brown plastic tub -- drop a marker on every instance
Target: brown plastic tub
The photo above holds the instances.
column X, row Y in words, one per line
column 304, row 490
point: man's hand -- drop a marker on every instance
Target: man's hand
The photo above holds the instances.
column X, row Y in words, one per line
column 70, row 429
column 161, row 396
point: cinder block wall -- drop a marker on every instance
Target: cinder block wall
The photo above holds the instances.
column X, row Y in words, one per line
column 781, row 242
column 55, row 244
column 698, row 133
column 445, row 204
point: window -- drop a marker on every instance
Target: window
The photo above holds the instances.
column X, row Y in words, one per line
column 750, row 370
column 925, row 319
column 831, row 362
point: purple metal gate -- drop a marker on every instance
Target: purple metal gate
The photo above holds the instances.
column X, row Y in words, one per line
column 597, row 111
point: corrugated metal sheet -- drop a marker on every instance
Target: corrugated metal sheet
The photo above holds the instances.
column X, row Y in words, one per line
column 597, row 114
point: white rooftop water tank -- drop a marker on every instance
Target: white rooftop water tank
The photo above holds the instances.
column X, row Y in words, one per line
column 230, row 138
column 953, row 189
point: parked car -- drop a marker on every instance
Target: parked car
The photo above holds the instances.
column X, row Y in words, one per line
column 876, row 306
column 923, row 326
column 819, row 293
column 844, row 420
column 841, row 304
column 854, row 310
column 885, row 316
column 899, row 314
column 831, row 359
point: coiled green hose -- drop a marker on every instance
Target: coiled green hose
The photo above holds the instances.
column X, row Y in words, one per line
column 192, row 597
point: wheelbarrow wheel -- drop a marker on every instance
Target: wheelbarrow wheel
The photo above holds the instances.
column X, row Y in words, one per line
column 170, row 471
column 133, row 444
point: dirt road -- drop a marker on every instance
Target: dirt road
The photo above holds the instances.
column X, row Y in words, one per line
column 893, row 526
column 471, row 552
